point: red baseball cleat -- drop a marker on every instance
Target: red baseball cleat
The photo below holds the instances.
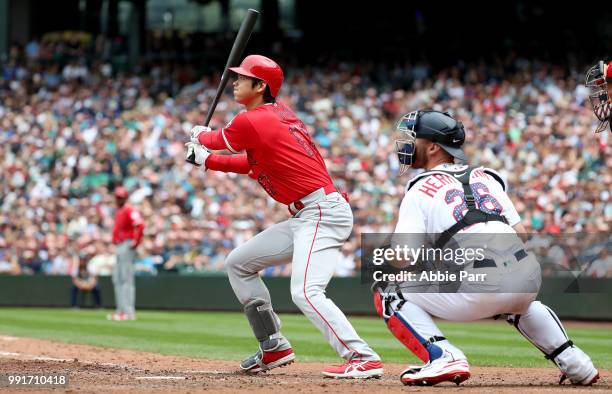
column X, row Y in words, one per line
column 117, row 316
column 354, row 369
column 265, row 360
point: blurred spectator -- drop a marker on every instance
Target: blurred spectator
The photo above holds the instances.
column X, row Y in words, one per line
column 346, row 266
column 84, row 281
column 73, row 126
column 602, row 266
column 9, row 264
column 102, row 261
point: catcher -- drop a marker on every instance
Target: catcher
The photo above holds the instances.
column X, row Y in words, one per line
column 450, row 204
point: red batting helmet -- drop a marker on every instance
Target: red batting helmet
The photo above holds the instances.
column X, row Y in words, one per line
column 261, row 67
column 121, row 192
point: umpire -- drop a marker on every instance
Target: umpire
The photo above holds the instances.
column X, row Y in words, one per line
column 127, row 234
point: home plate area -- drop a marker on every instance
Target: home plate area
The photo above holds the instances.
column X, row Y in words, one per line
column 96, row 369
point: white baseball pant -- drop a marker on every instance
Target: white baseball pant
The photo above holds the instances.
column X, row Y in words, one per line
column 123, row 278
column 311, row 240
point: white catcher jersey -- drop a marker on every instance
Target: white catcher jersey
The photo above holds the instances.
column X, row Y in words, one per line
column 435, row 201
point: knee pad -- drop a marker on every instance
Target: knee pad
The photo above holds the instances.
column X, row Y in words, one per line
column 262, row 319
column 383, row 301
column 407, row 338
column 424, row 349
column 541, row 326
column 378, row 304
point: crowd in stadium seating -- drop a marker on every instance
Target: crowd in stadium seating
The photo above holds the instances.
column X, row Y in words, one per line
column 74, row 127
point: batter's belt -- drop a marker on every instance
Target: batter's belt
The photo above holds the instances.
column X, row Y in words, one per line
column 312, row 198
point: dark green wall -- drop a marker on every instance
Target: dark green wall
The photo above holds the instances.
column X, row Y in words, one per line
column 215, row 293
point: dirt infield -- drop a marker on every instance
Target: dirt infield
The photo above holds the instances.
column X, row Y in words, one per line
column 96, row 369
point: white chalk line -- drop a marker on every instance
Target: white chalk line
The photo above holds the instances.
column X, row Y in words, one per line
column 204, row 371
column 45, row 358
column 7, row 338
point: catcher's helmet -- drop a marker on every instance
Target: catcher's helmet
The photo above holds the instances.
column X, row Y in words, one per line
column 597, row 78
column 435, row 126
column 261, row 67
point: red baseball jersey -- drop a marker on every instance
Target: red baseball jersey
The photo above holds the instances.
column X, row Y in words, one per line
column 280, row 154
column 128, row 225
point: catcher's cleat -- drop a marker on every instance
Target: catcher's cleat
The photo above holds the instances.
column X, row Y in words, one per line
column 576, row 366
column 272, row 353
column 355, row 369
column 443, row 369
column 586, row 382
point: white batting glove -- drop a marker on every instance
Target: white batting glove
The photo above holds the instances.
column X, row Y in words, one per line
column 200, row 153
column 196, row 131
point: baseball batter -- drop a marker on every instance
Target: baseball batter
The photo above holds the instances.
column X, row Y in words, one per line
column 271, row 145
column 447, row 202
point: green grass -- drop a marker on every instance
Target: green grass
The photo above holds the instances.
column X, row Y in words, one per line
column 220, row 335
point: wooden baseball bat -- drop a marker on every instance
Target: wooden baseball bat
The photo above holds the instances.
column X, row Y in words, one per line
column 242, row 38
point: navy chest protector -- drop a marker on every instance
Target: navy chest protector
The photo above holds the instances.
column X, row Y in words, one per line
column 473, row 215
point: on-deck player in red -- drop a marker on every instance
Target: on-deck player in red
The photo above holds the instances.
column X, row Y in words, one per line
column 129, row 225
column 127, row 234
column 272, row 146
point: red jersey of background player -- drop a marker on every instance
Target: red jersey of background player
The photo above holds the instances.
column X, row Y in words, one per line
column 280, row 154
column 128, row 225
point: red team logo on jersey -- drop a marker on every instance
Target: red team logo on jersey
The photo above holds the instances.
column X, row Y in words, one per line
column 266, row 183
column 299, row 132
column 297, row 129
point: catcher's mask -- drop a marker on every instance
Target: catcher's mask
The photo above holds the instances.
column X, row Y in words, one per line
column 598, row 95
column 405, row 145
column 438, row 127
